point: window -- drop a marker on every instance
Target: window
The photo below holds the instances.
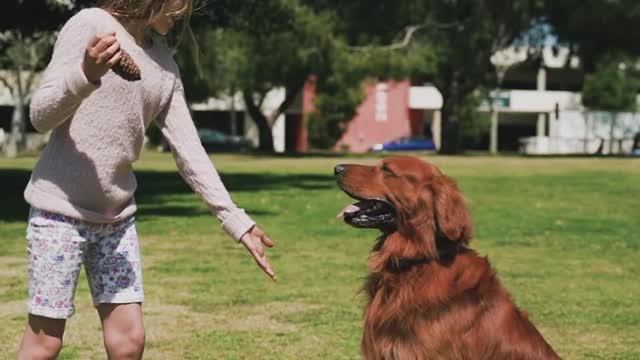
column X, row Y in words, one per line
column 381, row 102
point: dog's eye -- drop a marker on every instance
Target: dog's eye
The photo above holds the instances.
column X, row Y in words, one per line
column 386, row 170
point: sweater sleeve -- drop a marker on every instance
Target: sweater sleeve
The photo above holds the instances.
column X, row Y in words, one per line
column 64, row 85
column 195, row 166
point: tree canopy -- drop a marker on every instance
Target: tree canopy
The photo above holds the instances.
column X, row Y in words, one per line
column 595, row 29
column 613, row 86
column 254, row 46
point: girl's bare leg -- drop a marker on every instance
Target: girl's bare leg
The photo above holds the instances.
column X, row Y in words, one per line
column 123, row 330
column 42, row 338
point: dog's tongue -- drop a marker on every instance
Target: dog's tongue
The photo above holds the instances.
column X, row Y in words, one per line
column 349, row 209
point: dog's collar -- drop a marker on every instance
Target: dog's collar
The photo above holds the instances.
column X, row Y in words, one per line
column 403, row 264
column 445, row 252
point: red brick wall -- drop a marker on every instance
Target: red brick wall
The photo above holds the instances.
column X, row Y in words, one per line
column 383, row 116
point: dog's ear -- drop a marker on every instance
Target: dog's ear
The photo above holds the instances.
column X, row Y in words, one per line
column 452, row 217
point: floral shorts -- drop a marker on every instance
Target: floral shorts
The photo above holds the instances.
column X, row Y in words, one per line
column 58, row 245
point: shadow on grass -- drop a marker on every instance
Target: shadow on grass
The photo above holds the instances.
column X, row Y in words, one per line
column 153, row 185
column 159, row 210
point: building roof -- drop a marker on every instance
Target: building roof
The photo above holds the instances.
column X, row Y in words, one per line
column 552, row 57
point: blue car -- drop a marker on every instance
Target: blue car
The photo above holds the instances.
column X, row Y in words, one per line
column 405, row 144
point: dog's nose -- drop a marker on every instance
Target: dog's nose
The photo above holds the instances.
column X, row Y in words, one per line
column 339, row 169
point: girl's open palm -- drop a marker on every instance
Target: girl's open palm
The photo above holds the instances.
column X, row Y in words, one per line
column 253, row 240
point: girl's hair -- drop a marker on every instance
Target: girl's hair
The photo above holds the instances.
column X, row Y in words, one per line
column 126, row 10
column 142, row 9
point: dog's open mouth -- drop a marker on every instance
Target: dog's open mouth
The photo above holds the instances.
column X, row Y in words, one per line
column 369, row 213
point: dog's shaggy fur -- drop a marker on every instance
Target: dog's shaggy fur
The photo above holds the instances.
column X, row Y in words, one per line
column 428, row 295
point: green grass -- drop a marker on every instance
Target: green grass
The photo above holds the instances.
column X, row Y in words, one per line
column 564, row 235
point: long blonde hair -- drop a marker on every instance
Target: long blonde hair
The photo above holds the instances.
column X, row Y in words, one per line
column 125, row 10
column 142, row 9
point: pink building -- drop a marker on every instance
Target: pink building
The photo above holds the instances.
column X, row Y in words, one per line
column 389, row 111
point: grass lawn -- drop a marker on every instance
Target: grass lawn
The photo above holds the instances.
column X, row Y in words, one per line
column 564, row 235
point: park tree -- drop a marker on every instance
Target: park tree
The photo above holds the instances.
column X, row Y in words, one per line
column 258, row 46
column 27, row 33
column 602, row 34
column 613, row 88
column 458, row 37
column 447, row 43
column 595, row 29
column 255, row 47
column 339, row 91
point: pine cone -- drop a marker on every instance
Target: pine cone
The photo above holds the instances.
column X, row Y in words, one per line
column 126, row 68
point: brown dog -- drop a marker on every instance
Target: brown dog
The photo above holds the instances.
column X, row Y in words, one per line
column 428, row 295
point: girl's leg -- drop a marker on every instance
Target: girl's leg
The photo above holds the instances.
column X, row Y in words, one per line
column 55, row 250
column 42, row 338
column 123, row 330
column 112, row 263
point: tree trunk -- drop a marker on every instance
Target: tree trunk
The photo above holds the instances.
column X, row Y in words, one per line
column 265, row 134
column 455, row 87
column 263, row 122
column 17, row 138
column 614, row 117
column 265, row 137
column 450, row 134
column 450, row 122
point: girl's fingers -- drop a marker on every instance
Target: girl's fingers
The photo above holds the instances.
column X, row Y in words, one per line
column 259, row 259
column 94, row 40
column 109, row 53
column 104, row 44
column 270, row 272
column 257, row 231
column 265, row 240
column 262, row 262
column 253, row 242
column 97, row 38
column 114, row 60
column 259, row 250
column 263, row 237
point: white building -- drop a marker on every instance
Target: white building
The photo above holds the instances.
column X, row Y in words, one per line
column 540, row 110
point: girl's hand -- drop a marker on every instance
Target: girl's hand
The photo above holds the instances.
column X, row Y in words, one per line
column 253, row 241
column 102, row 53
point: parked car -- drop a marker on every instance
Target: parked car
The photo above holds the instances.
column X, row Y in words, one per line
column 217, row 141
column 405, row 143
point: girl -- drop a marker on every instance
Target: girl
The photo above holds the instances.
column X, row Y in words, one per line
column 81, row 190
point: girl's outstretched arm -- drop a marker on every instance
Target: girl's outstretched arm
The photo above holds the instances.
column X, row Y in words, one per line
column 198, row 171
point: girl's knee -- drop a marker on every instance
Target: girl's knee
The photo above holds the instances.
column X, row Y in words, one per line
column 42, row 338
column 125, row 345
column 42, row 348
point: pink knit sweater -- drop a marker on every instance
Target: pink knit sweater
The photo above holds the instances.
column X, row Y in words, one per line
column 85, row 171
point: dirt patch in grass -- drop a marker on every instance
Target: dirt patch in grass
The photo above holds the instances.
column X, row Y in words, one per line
column 577, row 343
column 164, row 323
column 162, row 320
column 13, row 266
column 12, row 308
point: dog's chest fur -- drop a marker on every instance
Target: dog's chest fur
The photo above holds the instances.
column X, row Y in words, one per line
column 410, row 316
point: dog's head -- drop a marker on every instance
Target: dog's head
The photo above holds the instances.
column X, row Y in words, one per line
column 405, row 195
